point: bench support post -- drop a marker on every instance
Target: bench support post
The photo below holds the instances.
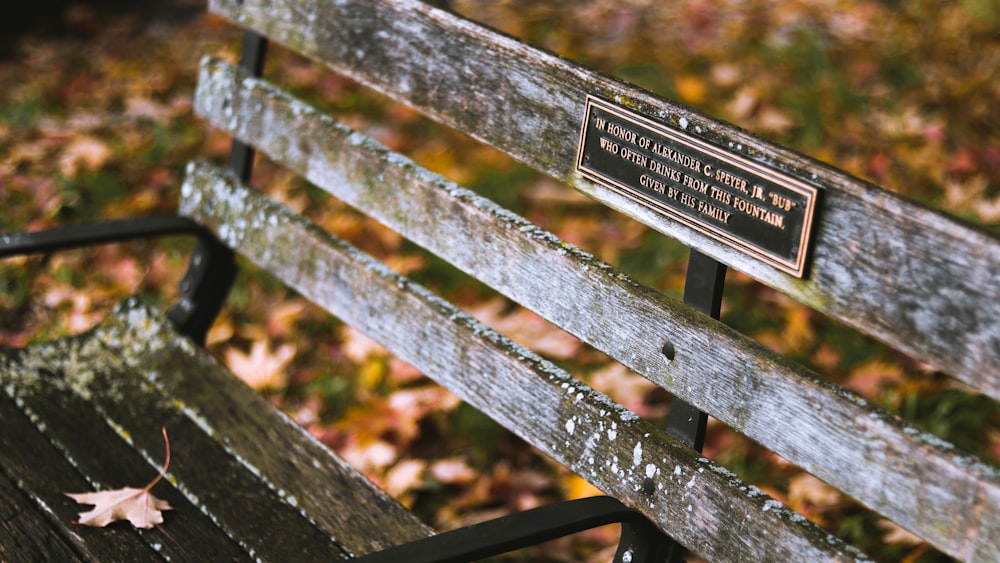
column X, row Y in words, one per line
column 212, row 269
column 702, row 290
column 703, row 287
column 252, row 60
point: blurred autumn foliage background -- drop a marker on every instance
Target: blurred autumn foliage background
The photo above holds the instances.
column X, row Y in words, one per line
column 96, row 121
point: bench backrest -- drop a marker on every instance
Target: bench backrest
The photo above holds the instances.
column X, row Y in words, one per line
column 914, row 278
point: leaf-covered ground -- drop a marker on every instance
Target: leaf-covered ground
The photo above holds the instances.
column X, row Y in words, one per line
column 96, row 121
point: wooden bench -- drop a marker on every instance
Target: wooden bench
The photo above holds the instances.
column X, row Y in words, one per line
column 85, row 412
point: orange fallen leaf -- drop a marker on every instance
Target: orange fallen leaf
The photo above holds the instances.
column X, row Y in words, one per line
column 138, row 506
column 87, row 153
column 262, row 368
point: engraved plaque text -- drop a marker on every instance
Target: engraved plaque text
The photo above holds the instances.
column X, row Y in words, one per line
column 747, row 205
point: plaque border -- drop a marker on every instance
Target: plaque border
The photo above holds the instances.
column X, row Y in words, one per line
column 795, row 267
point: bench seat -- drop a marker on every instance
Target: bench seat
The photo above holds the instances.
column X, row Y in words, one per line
column 245, row 481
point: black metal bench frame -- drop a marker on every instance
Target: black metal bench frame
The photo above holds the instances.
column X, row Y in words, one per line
column 211, row 272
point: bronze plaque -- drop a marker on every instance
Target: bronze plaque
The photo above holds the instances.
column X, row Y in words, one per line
column 749, row 206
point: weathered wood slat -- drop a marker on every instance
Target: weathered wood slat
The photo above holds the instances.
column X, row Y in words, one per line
column 41, row 479
column 45, row 475
column 714, row 368
column 940, row 304
column 130, row 388
column 701, row 504
column 307, row 476
column 25, row 533
column 99, row 446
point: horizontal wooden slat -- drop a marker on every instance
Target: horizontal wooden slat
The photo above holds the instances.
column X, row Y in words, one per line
column 307, row 476
column 73, row 449
column 25, row 531
column 102, row 397
column 916, row 279
column 714, row 368
column 702, row 505
column 42, row 477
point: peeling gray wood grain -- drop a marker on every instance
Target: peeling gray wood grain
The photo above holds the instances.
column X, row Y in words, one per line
column 921, row 281
column 40, row 473
column 25, row 532
column 702, row 505
column 833, row 432
column 116, row 385
column 74, row 447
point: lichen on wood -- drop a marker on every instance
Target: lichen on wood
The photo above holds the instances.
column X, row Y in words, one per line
column 526, row 394
column 943, row 303
column 713, row 367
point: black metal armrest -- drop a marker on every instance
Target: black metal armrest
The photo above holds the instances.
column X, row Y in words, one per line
column 91, row 234
column 640, row 541
column 203, row 288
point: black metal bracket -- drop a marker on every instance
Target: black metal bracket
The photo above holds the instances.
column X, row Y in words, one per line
column 703, row 287
column 212, row 269
column 251, row 60
column 204, row 288
column 81, row 236
column 702, row 290
column 200, row 300
column 641, row 541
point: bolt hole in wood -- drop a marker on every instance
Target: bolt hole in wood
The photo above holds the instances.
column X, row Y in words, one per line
column 648, row 487
column 668, row 351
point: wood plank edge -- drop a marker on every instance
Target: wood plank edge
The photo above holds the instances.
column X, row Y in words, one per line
column 829, row 294
column 494, row 348
column 744, row 359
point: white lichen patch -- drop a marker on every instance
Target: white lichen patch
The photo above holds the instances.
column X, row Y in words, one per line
column 772, row 505
column 124, row 340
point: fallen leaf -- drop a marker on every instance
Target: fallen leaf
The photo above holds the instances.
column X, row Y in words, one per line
column 809, row 495
column 404, row 476
column 262, row 368
column 743, row 103
column 358, row 347
column 138, row 506
column 870, row 378
column 141, row 106
column 896, row 534
column 453, row 471
column 87, row 151
column 527, row 328
column 577, row 487
column 371, row 457
column 626, row 387
column 772, row 120
column 691, row 89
